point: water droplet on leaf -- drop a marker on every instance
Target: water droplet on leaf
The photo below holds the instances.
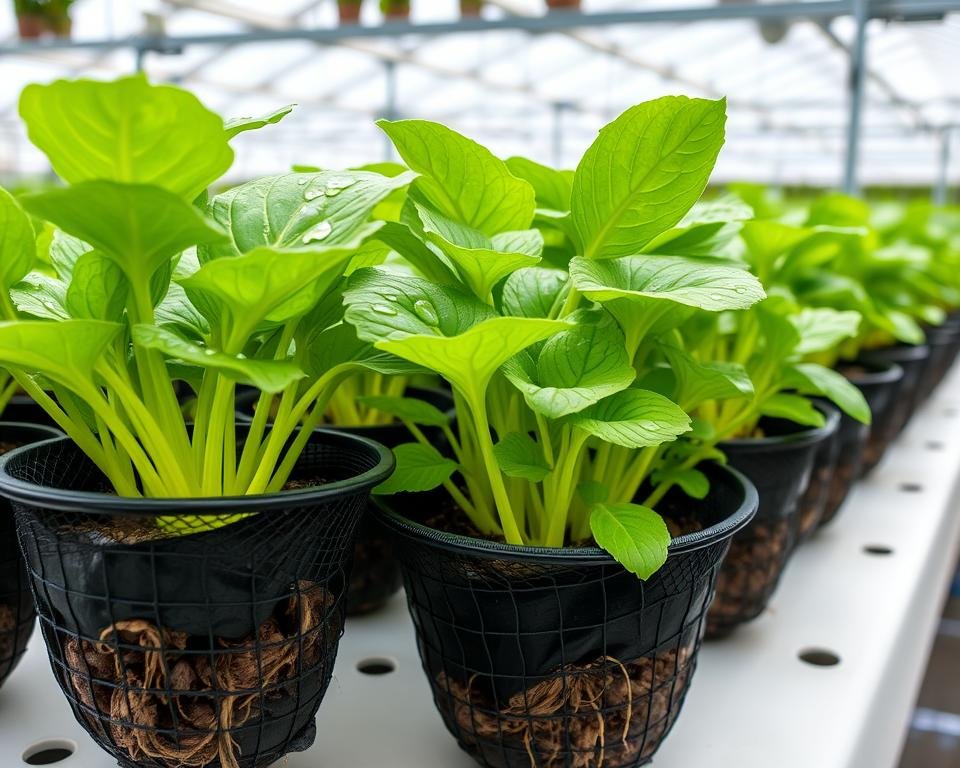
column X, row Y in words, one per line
column 383, row 309
column 313, row 193
column 318, row 232
column 426, row 312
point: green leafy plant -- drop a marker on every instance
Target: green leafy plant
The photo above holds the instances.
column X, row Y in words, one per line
column 155, row 283
column 546, row 355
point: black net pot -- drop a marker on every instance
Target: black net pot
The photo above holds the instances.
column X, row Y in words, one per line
column 942, row 341
column 779, row 465
column 887, row 424
column 375, row 576
column 560, row 657
column 17, row 616
column 212, row 648
column 879, row 384
column 813, row 502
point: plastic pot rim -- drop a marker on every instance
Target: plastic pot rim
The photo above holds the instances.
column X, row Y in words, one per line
column 65, row 500
column 898, row 353
column 884, row 371
column 803, row 436
column 725, row 529
column 43, row 432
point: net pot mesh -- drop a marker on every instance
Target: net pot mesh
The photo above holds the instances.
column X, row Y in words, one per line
column 779, row 465
column 542, row 658
column 375, row 576
column 17, row 616
column 192, row 632
column 889, row 422
column 878, row 387
column 813, row 503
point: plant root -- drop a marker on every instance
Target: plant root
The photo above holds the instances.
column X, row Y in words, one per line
column 603, row 714
column 167, row 704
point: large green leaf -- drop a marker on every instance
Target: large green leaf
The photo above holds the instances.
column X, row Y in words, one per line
column 140, row 227
column 65, row 352
column 814, row 379
column 407, row 409
column 237, row 125
column 795, row 408
column 693, row 282
column 98, row 290
column 18, row 246
column 636, row 536
column 575, row 369
column 519, row 456
column 41, row 296
column 127, row 131
column 699, row 382
column 265, row 375
column 404, row 242
column 65, row 250
column 644, row 172
column 533, row 292
column 634, row 418
column 419, row 468
column 823, row 329
column 461, row 179
column 298, row 210
column 553, row 188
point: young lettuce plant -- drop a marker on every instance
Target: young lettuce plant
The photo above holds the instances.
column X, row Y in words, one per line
column 555, row 435
column 154, row 284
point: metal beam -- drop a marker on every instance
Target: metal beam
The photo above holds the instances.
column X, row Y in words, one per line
column 858, row 68
column 551, row 22
column 941, row 192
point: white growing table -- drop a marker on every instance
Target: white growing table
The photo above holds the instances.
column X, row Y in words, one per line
column 753, row 703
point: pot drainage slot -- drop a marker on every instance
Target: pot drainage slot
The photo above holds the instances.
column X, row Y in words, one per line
column 49, row 752
column 376, row 666
column 819, row 657
column 911, row 487
column 877, row 549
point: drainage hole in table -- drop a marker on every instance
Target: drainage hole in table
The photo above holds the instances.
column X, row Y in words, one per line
column 935, row 445
column 950, row 412
column 376, row 666
column 49, row 752
column 819, row 657
column 877, row 549
column 911, row 487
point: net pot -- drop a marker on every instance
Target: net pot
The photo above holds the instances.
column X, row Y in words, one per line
column 560, row 657
column 192, row 632
column 23, row 410
column 779, row 465
column 17, row 616
column 942, row 341
column 813, row 503
column 375, row 576
column 879, row 384
column 888, row 424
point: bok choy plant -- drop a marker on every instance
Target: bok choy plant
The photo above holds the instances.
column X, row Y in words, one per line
column 536, row 301
column 153, row 282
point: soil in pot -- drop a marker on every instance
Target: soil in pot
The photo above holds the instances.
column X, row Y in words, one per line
column 17, row 615
column 375, row 576
column 779, row 465
column 211, row 648
column 813, row 503
column 878, row 383
column 889, row 422
column 559, row 657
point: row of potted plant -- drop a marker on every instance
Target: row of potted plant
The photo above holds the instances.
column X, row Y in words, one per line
column 399, row 10
column 36, row 18
column 605, row 400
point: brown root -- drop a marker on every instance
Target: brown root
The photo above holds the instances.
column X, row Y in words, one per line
column 162, row 703
column 603, row 713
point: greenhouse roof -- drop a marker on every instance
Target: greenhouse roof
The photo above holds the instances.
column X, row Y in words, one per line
column 525, row 86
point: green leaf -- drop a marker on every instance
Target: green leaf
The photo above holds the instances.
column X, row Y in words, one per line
column 575, row 369
column 822, row 329
column 127, row 131
column 767, row 241
column 419, row 468
column 408, row 409
column 813, row 379
column 265, row 375
column 552, row 188
column 481, row 262
column 699, row 382
column 41, row 296
column 461, row 179
column 65, row 250
column 644, row 172
column 237, row 125
column 634, row 418
column 519, row 456
column 406, row 244
column 98, row 289
column 64, row 352
column 177, row 311
column 636, row 536
column 692, row 282
column 693, row 482
column 299, row 210
column 18, row 245
column 794, row 408
column 140, row 227
column 533, row 291
column 593, row 492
